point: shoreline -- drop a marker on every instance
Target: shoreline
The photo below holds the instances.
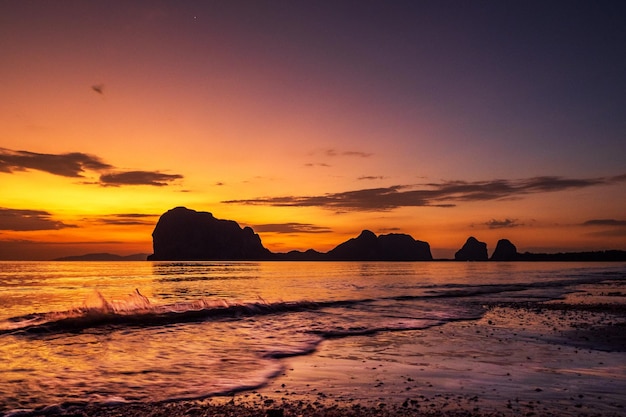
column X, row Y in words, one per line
column 564, row 357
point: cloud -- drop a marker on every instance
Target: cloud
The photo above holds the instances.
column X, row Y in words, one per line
column 29, row 220
column 502, row 224
column 443, row 194
column 390, row 230
column 138, row 178
column 357, row 154
column 373, row 199
column 605, row 222
column 290, row 228
column 334, row 152
column 129, row 219
column 612, row 227
column 320, row 164
column 370, row 177
column 74, row 164
column 66, row 165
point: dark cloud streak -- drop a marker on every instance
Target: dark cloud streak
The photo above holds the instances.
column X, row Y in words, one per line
column 71, row 165
column 443, row 194
column 609, row 227
column 29, row 220
column 333, row 152
column 502, row 224
column 156, row 178
column 290, row 228
column 605, row 222
column 129, row 219
column 75, row 164
column 319, row 164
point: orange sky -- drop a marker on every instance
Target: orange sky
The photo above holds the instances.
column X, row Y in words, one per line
column 311, row 122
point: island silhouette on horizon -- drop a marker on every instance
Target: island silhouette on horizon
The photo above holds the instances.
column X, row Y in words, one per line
column 182, row 234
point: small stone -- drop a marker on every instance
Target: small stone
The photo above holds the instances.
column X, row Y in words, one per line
column 275, row 412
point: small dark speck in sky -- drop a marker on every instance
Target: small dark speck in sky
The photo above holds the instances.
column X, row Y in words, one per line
column 98, row 88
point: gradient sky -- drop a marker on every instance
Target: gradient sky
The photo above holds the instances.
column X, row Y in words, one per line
column 310, row 121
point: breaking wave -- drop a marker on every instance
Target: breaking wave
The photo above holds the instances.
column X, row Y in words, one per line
column 137, row 310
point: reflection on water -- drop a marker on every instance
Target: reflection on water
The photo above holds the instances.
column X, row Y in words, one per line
column 139, row 331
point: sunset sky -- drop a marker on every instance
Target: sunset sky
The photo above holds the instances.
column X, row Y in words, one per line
column 312, row 120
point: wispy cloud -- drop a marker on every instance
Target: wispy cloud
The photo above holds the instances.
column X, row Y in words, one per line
column 443, row 194
column 66, row 165
column 290, row 228
column 334, row 152
column 502, row 224
column 390, row 230
column 138, row 178
column 325, row 154
column 605, row 222
column 129, row 219
column 608, row 227
column 76, row 164
column 370, row 178
column 29, row 220
column 319, row 164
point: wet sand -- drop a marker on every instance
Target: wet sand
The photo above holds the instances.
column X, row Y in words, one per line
column 515, row 361
column 560, row 358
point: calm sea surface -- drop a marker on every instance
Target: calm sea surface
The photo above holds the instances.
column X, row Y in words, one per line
column 141, row 331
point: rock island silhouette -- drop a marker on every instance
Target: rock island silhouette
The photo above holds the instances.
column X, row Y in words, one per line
column 183, row 234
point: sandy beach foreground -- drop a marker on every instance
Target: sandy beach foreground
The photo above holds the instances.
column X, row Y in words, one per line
column 559, row 358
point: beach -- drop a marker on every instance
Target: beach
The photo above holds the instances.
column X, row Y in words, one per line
column 563, row 357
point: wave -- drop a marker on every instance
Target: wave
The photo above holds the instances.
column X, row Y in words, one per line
column 195, row 278
column 562, row 286
column 137, row 311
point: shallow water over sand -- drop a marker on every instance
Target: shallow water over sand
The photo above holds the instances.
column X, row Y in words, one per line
column 140, row 331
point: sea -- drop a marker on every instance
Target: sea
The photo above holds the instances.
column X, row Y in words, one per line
column 115, row 332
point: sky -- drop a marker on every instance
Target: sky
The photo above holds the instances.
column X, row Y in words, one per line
column 310, row 121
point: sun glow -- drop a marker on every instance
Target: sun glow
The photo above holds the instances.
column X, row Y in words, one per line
column 309, row 132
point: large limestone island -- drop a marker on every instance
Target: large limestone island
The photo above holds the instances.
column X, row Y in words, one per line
column 184, row 234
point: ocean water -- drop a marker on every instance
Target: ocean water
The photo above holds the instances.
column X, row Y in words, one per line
column 80, row 332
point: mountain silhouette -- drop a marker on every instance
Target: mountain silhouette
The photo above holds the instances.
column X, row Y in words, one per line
column 472, row 250
column 505, row 251
column 104, row 257
column 185, row 234
column 392, row 247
